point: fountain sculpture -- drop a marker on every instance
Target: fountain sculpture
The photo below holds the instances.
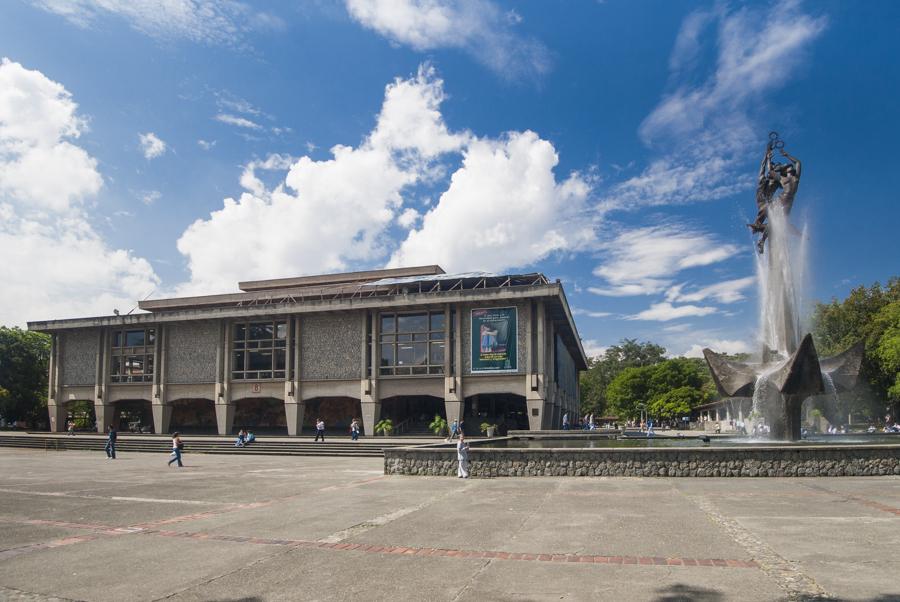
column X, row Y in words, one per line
column 789, row 369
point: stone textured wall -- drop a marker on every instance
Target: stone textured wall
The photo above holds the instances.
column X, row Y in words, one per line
column 521, row 339
column 330, row 346
column 764, row 462
column 78, row 363
column 191, row 352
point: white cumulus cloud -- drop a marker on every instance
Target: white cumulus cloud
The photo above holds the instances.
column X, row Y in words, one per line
column 241, row 122
column 719, row 346
column 478, row 27
column 54, row 264
column 504, row 208
column 151, row 145
column 665, row 311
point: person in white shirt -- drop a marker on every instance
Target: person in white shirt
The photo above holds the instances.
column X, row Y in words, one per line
column 462, row 454
column 320, row 430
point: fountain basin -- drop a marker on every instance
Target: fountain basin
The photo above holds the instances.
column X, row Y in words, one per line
column 660, row 457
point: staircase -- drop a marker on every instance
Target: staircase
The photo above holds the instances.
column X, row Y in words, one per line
column 367, row 448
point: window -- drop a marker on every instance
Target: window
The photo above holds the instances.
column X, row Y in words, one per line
column 259, row 350
column 412, row 344
column 131, row 359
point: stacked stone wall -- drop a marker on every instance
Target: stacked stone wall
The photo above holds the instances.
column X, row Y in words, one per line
column 764, row 462
column 79, row 357
column 330, row 346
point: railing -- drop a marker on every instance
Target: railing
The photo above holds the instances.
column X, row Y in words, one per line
column 402, row 426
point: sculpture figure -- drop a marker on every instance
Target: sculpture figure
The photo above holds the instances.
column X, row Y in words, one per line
column 773, row 176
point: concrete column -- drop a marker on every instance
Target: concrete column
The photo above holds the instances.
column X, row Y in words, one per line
column 537, row 413
column 57, row 417
column 371, row 414
column 294, row 413
column 104, row 413
column 224, row 417
column 453, row 409
column 162, row 414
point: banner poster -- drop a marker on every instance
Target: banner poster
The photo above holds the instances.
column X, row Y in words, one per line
column 494, row 339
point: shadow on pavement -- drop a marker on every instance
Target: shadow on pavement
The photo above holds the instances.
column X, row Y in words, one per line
column 679, row 592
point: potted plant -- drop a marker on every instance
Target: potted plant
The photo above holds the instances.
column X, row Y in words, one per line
column 385, row 426
column 438, row 426
column 488, row 429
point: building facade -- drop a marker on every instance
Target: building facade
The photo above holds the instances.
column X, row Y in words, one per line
column 405, row 344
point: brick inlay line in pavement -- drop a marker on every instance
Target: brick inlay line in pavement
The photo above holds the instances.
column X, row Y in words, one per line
column 370, row 548
column 855, row 498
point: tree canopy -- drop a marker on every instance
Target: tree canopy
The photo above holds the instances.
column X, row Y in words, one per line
column 24, row 358
column 870, row 315
column 668, row 389
column 629, row 353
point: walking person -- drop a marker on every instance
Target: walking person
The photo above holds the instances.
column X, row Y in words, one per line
column 462, row 455
column 177, row 447
column 566, row 421
column 320, row 430
column 454, row 428
column 354, row 430
column 72, row 428
column 111, row 444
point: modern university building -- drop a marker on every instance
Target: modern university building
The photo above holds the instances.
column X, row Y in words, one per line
column 403, row 344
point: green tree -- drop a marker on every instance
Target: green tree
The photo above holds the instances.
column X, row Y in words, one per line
column 867, row 315
column 629, row 353
column 668, row 389
column 24, row 358
column 676, row 402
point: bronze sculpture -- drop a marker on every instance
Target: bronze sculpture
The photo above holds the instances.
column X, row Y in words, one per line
column 789, row 369
column 773, row 176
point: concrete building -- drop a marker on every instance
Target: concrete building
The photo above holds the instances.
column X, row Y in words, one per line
column 394, row 343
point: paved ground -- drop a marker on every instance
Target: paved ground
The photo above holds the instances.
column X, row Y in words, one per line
column 75, row 526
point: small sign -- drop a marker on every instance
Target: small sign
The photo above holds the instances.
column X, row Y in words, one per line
column 256, row 387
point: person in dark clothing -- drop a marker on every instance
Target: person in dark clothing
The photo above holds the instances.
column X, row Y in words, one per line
column 111, row 444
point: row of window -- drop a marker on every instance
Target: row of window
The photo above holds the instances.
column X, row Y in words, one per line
column 409, row 344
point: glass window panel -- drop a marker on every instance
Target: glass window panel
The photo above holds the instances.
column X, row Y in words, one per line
column 117, row 338
column 388, row 338
column 387, row 323
column 436, row 355
column 279, row 359
column 406, row 355
column 240, row 332
column 259, row 360
column 252, row 344
column 437, row 336
column 117, row 364
column 239, row 344
column 265, row 375
column 436, row 370
column 148, row 366
column 151, row 336
column 280, row 343
column 261, row 331
column 404, row 338
column 412, row 323
column 237, row 359
column 281, row 330
column 403, row 371
column 386, row 371
column 134, row 338
column 387, row 355
column 421, row 336
column 420, row 370
column 238, row 376
column 279, row 374
column 437, row 321
column 134, row 364
column 420, row 354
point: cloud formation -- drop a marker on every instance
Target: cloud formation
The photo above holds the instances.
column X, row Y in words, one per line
column 54, row 263
column 478, row 27
column 212, row 22
column 331, row 213
column 151, row 145
column 644, row 261
column 706, row 123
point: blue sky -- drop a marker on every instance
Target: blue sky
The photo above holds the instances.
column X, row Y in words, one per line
column 151, row 148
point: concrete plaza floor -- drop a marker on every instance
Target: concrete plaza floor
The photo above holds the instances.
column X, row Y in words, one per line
column 75, row 526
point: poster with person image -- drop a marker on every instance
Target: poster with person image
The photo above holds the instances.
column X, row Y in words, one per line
column 494, row 339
